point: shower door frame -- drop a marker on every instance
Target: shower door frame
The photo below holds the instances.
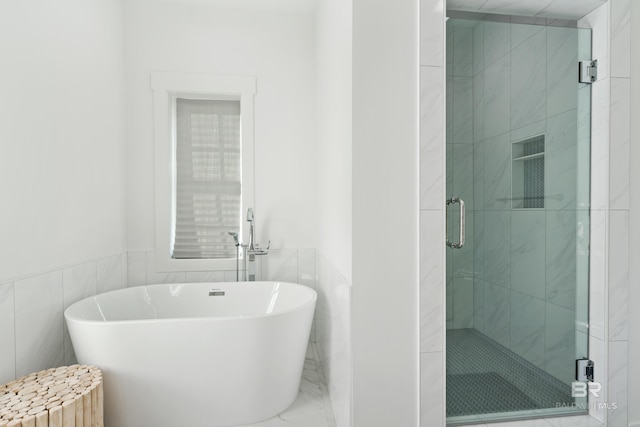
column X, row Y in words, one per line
column 433, row 406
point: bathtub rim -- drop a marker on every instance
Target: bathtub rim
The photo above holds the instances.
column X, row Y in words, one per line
column 311, row 301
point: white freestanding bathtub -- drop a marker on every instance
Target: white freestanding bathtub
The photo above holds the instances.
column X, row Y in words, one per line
column 195, row 354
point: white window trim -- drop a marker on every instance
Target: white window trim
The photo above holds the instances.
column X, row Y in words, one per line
column 166, row 87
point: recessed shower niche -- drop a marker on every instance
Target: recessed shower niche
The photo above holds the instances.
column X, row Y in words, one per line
column 518, row 156
column 527, row 173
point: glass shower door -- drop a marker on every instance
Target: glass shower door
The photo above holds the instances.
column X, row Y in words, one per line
column 518, row 156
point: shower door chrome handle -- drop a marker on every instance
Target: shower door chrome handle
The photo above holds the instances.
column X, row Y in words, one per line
column 460, row 243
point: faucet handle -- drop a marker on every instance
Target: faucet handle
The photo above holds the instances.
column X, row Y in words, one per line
column 260, row 251
column 250, row 215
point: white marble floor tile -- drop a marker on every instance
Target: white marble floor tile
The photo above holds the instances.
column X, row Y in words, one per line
column 579, row 421
column 312, row 408
column 521, row 423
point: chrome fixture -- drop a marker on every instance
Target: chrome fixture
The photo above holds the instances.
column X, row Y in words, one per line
column 460, row 243
column 249, row 250
column 250, row 221
column 253, row 248
column 587, row 71
column 585, row 370
column 234, row 233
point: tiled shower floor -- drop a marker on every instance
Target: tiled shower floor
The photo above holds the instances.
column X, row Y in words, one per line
column 484, row 380
column 312, row 408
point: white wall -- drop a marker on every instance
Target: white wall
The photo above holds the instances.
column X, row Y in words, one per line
column 334, row 206
column 61, row 115
column 278, row 49
column 62, row 171
column 384, row 305
column 334, row 117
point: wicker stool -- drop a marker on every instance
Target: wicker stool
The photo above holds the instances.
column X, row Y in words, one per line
column 69, row 396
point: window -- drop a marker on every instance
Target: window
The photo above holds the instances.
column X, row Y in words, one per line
column 204, row 168
column 208, row 178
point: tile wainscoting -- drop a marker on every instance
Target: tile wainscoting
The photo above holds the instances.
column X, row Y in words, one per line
column 34, row 336
column 333, row 320
column 32, row 329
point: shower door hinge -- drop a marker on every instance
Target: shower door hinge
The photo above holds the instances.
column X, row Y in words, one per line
column 587, row 71
column 584, row 370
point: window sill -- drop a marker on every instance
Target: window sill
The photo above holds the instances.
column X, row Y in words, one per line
column 166, row 265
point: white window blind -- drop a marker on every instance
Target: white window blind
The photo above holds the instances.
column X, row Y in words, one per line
column 208, row 178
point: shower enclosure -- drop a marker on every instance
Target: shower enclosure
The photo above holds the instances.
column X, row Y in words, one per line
column 518, row 156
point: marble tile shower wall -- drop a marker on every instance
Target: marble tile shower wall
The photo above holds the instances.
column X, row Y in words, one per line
column 432, row 213
column 608, row 288
column 33, row 335
column 287, row 265
column 614, row 330
column 460, row 171
column 515, row 280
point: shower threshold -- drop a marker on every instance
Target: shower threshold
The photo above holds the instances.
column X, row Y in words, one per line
column 488, row 382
